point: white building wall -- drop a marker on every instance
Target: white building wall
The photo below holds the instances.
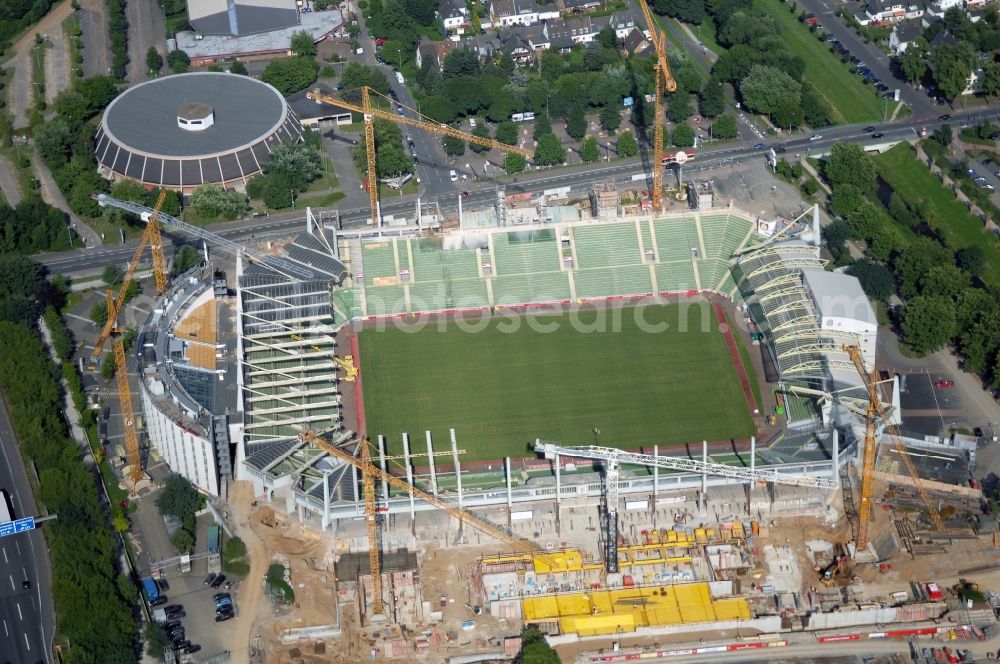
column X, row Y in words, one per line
column 187, row 454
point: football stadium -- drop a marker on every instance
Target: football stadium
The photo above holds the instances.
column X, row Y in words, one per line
column 454, row 351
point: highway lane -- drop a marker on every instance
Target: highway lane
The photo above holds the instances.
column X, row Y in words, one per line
column 26, row 614
column 483, row 192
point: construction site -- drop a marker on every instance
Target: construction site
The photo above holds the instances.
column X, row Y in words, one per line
column 816, row 519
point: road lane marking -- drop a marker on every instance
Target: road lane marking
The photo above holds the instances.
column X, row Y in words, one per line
column 25, row 573
column 5, row 555
column 6, row 631
column 26, row 642
column 20, row 615
column 11, row 576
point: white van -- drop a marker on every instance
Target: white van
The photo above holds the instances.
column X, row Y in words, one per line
column 399, row 77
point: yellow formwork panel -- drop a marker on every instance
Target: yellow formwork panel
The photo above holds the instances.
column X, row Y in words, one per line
column 569, row 605
column 731, row 609
column 663, row 615
column 601, row 602
column 568, row 560
column 692, row 594
column 596, row 625
column 540, row 608
column 697, row 613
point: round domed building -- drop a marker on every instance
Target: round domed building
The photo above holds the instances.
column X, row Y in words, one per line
column 180, row 132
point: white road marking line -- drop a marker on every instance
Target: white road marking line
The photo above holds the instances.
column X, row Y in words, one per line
column 5, row 555
column 25, row 573
column 19, row 614
column 11, row 576
column 6, row 631
column 26, row 642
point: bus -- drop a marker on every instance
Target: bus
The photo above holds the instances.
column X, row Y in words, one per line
column 6, row 513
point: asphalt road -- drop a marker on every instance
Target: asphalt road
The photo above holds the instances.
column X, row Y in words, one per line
column 481, row 193
column 26, row 615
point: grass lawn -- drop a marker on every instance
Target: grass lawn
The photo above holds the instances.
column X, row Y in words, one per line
column 321, row 190
column 500, row 389
column 913, row 181
column 849, row 99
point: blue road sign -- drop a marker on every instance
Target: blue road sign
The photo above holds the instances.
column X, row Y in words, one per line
column 19, row 526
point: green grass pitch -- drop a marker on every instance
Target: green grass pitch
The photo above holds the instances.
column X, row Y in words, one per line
column 501, row 390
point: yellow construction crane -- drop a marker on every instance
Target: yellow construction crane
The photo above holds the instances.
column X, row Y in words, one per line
column 664, row 79
column 370, row 112
column 875, row 414
column 370, row 472
column 150, row 237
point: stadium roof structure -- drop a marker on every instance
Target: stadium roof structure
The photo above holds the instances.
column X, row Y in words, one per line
column 786, row 312
column 142, row 137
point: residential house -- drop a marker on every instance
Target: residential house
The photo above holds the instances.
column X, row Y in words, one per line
column 518, row 43
column 485, row 46
column 454, row 15
column 636, row 42
column 623, row 23
column 435, row 51
column 939, row 7
column 580, row 6
column 881, row 12
column 903, row 34
column 505, row 13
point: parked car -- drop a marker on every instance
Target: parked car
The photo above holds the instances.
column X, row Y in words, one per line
column 163, row 584
column 223, row 617
column 945, row 117
column 944, row 383
column 162, row 599
column 452, row 175
column 987, row 186
column 219, row 580
column 971, row 171
column 193, row 648
column 980, row 179
column 759, row 146
column 170, row 625
column 210, row 578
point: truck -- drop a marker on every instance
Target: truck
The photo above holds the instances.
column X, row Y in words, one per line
column 6, row 513
column 151, row 588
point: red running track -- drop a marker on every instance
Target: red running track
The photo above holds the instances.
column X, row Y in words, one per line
column 734, row 353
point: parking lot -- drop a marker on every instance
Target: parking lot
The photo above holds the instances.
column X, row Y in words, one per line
column 189, row 590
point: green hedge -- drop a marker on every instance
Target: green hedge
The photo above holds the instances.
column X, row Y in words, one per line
column 94, row 600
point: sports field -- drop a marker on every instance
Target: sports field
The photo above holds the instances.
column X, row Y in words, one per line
column 500, row 389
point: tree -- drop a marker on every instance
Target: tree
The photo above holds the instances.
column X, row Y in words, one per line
column 607, row 37
column 913, row 61
column 214, row 201
column 836, row 234
column 238, row 68
column 185, row 259
column 514, row 163
column 178, row 497
column 482, row 131
column 154, row 61
column 302, row 44
column 277, row 191
column 535, row 649
column 944, row 281
column 112, row 274
column 767, row 90
column 688, row 11
column 849, row 164
column 875, row 278
column 611, row 118
column 589, row 151
column 711, row 101
column 182, row 541
column 99, row 313
column 291, row 75
column 299, row 162
column 507, row 133
column 725, row 127
column 991, row 79
column 679, row 106
column 971, row 259
column 682, row 136
column 178, row 61
column 576, row 122
column 543, row 125
column 951, row 68
column 157, row 642
column 549, row 151
column 814, row 111
column 911, row 265
column 454, row 146
column 943, row 135
column 627, row 145
column 54, row 143
column 928, row 323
